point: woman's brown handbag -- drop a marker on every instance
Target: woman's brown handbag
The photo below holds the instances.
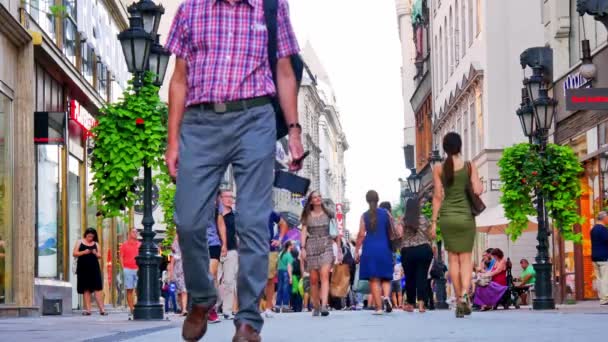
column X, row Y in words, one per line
column 340, row 281
column 477, row 205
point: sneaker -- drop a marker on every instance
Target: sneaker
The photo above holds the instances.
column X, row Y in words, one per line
column 268, row 313
column 388, row 307
column 130, row 316
column 604, row 302
column 324, row 311
column 378, row 313
column 316, row 313
column 213, row 317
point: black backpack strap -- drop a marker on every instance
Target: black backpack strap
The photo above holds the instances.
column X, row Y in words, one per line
column 270, row 14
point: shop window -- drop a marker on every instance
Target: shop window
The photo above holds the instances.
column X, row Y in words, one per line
column 74, row 216
column 49, row 239
column 70, row 30
column 5, row 199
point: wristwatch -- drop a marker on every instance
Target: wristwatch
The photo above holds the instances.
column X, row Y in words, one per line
column 295, row 125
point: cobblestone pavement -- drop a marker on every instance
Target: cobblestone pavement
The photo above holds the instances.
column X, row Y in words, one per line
column 585, row 321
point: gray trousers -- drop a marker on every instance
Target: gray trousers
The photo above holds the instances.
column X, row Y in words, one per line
column 209, row 142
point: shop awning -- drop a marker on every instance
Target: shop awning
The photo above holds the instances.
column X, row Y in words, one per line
column 493, row 221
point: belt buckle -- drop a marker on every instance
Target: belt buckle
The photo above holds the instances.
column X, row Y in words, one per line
column 220, row 108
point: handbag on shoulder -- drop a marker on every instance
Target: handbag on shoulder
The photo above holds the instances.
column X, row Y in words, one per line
column 333, row 228
column 477, row 205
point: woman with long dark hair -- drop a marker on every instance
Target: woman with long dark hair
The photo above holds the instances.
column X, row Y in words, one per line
column 451, row 205
column 88, row 272
column 317, row 250
column 416, row 255
column 376, row 261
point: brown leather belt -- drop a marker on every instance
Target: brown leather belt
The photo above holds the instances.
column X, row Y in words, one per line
column 235, row 106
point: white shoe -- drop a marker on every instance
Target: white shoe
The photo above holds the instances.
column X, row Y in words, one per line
column 378, row 313
column 268, row 313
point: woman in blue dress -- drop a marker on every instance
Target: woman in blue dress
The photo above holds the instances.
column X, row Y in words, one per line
column 376, row 261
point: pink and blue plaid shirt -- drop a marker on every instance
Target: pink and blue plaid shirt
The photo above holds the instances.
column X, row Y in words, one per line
column 226, row 48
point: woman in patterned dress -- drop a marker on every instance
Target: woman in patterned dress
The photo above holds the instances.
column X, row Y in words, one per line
column 176, row 275
column 317, row 250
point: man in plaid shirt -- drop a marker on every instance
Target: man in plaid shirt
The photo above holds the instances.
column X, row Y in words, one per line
column 220, row 114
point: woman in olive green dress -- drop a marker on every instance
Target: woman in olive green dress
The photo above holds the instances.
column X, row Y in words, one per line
column 452, row 207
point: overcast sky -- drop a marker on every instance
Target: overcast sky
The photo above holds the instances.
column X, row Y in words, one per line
column 358, row 43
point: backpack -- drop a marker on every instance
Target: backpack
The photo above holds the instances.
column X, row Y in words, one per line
column 270, row 14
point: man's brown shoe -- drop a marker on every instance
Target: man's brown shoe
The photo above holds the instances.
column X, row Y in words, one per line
column 195, row 324
column 245, row 333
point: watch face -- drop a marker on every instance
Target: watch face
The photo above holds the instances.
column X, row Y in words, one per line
column 139, row 201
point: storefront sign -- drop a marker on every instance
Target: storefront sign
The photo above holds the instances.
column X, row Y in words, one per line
column 50, row 128
column 82, row 117
column 587, row 99
column 340, row 218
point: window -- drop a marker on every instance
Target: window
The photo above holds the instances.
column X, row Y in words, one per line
column 69, row 30
column 473, row 116
column 445, row 50
column 102, row 78
column 441, row 61
column 471, row 19
column 478, row 17
column 456, row 35
column 6, row 251
column 463, row 28
column 436, row 64
column 86, row 63
column 451, row 42
column 465, row 134
column 40, row 11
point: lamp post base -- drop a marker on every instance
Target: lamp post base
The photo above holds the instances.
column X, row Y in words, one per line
column 543, row 287
column 153, row 312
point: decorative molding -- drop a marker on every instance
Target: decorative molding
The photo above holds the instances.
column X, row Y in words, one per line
column 12, row 29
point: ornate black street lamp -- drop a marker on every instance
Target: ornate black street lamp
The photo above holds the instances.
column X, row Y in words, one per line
column 141, row 55
column 158, row 62
column 150, row 14
column 414, row 181
column 541, row 61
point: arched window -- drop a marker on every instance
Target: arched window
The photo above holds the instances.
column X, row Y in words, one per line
column 445, row 49
column 436, row 62
column 463, row 30
column 441, row 63
column 451, row 42
column 456, row 33
column 471, row 19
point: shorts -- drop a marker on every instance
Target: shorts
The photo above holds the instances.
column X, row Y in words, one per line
column 273, row 260
column 215, row 252
column 130, row 278
column 396, row 286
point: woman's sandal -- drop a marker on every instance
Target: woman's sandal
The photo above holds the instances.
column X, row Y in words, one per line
column 459, row 310
column 408, row 308
column 421, row 308
column 467, row 306
column 103, row 313
column 86, row 313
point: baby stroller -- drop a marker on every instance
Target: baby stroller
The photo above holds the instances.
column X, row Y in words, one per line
column 511, row 296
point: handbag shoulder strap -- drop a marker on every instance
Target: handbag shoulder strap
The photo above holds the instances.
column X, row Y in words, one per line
column 270, row 16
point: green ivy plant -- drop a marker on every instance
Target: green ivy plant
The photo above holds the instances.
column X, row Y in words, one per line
column 522, row 169
column 129, row 134
column 166, row 201
column 427, row 211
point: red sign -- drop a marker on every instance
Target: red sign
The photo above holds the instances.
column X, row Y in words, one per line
column 83, row 118
column 340, row 218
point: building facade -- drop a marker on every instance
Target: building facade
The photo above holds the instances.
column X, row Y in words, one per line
column 322, row 136
column 586, row 131
column 477, row 80
column 61, row 64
